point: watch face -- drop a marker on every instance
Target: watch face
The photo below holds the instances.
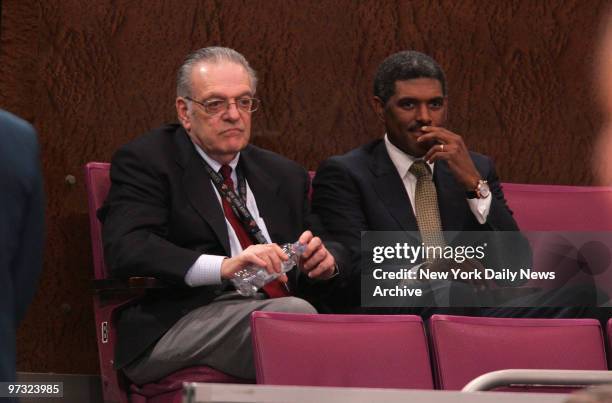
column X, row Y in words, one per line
column 483, row 189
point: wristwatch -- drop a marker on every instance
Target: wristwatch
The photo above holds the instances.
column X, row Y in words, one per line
column 482, row 190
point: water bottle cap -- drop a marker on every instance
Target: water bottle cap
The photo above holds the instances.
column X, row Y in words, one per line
column 298, row 248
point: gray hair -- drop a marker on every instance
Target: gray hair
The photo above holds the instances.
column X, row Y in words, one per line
column 402, row 66
column 211, row 54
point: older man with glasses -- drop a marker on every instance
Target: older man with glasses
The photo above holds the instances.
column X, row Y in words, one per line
column 192, row 204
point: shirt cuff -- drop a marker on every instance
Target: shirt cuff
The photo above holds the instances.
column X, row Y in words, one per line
column 205, row 271
column 480, row 208
column 334, row 274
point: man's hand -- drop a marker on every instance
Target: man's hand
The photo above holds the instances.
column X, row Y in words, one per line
column 268, row 256
column 317, row 262
column 453, row 150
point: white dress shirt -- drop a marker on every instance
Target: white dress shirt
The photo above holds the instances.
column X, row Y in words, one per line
column 207, row 268
column 403, row 162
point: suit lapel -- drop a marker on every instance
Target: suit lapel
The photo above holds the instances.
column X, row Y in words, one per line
column 265, row 188
column 390, row 188
column 451, row 199
column 199, row 189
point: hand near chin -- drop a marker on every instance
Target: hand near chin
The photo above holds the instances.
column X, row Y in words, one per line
column 451, row 148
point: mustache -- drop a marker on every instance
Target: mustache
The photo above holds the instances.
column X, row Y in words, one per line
column 416, row 127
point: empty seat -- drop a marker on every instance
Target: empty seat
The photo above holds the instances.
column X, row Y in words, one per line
column 466, row 347
column 387, row 351
column 578, row 251
column 609, row 341
column 560, row 208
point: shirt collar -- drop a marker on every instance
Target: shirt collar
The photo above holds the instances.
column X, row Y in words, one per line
column 400, row 159
column 216, row 166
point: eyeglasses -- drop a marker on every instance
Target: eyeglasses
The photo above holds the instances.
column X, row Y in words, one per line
column 216, row 106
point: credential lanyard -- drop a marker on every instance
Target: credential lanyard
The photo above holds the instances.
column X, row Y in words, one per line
column 238, row 203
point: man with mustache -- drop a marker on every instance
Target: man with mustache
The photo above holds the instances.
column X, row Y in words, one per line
column 191, row 205
column 374, row 187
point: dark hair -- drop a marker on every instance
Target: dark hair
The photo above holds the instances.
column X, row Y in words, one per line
column 405, row 65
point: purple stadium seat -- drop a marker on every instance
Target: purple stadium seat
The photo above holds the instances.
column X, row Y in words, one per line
column 386, row 351
column 578, row 249
column 560, row 208
column 466, row 347
column 110, row 295
column 609, row 341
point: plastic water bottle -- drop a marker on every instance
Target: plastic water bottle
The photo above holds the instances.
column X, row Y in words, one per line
column 250, row 279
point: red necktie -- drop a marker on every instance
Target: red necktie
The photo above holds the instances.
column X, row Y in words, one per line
column 274, row 289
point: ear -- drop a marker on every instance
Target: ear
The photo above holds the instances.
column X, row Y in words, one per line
column 182, row 111
column 379, row 108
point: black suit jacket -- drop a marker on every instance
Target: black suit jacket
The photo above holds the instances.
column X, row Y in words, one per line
column 21, row 230
column 162, row 213
column 362, row 191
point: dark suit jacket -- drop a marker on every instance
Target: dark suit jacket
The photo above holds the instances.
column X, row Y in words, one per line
column 362, row 191
column 162, row 213
column 21, row 230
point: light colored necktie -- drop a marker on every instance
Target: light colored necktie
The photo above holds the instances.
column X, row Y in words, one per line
column 426, row 206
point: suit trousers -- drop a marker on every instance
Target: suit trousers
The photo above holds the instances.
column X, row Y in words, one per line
column 217, row 335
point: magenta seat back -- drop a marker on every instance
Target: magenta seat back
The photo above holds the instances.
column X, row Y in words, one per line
column 466, row 347
column 387, row 351
column 609, row 341
column 560, row 208
column 97, row 182
column 583, row 210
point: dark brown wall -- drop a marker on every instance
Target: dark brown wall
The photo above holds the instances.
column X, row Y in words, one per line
column 91, row 75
